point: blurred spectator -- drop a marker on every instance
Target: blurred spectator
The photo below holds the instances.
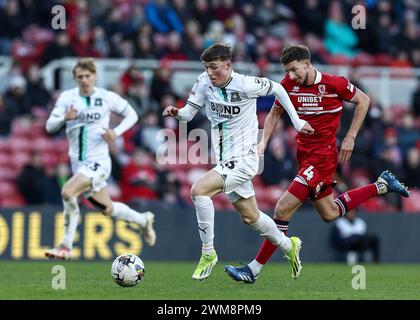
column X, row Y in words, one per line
column 35, row 89
column 60, row 48
column 131, row 76
column 173, row 49
column 11, row 25
column 194, row 39
column 16, row 98
column 311, row 17
column 55, row 176
column 340, row 38
column 150, row 135
column 139, row 179
column 408, row 134
column 202, row 12
column 224, row 10
column 385, row 33
column 412, row 168
column 99, row 42
column 163, row 17
column 161, row 81
column 315, row 45
column 137, row 92
column 390, row 155
column 143, row 48
column 32, row 180
column 169, row 186
column 351, row 241
column 279, row 168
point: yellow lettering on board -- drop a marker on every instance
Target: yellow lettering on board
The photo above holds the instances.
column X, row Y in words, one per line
column 4, row 234
column 98, row 232
column 18, row 237
column 129, row 233
column 35, row 250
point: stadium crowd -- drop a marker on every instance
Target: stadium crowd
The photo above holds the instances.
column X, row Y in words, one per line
column 180, row 30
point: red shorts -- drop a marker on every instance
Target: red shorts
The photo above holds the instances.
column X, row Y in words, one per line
column 314, row 179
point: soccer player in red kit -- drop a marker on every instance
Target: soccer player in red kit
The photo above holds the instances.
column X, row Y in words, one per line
column 318, row 99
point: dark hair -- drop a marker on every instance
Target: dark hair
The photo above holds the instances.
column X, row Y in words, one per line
column 295, row 52
column 217, row 51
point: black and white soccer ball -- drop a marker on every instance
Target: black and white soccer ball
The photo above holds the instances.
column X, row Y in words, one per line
column 127, row 270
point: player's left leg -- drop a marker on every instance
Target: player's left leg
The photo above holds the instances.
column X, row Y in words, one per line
column 330, row 209
column 202, row 191
column 77, row 184
column 120, row 211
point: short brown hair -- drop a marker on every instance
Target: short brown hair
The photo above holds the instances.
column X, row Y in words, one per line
column 86, row 64
column 217, row 51
column 295, row 52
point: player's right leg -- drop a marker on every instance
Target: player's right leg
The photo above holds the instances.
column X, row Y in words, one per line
column 285, row 208
column 202, row 191
column 77, row 184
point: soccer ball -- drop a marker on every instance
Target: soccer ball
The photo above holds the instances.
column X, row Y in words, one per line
column 128, row 270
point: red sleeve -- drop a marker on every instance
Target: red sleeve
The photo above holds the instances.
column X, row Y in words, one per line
column 345, row 89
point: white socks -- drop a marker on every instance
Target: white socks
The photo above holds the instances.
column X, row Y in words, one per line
column 255, row 267
column 205, row 218
column 267, row 228
column 123, row 212
column 71, row 220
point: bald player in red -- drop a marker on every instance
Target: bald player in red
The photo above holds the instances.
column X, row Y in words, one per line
column 318, row 99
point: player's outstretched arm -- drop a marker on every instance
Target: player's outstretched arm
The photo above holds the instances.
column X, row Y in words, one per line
column 300, row 125
column 185, row 114
column 170, row 111
column 362, row 102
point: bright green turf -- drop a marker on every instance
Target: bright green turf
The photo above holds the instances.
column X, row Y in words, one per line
column 172, row 280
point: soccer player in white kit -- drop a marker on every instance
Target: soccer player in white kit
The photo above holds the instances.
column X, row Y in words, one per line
column 230, row 102
column 85, row 112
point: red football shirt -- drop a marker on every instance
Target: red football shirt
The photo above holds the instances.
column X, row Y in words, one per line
column 320, row 105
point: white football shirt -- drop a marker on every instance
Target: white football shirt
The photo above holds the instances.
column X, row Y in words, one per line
column 231, row 110
column 85, row 132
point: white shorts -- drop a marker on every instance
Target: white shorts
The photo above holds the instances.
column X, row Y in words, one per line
column 237, row 174
column 97, row 171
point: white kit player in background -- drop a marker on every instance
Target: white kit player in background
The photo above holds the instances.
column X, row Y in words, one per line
column 85, row 111
column 230, row 102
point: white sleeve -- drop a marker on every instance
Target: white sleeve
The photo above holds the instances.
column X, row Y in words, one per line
column 117, row 103
column 286, row 103
column 197, row 97
column 56, row 119
column 129, row 120
column 187, row 113
column 255, row 87
column 194, row 103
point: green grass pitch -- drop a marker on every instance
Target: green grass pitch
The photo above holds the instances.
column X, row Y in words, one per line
column 172, row 281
